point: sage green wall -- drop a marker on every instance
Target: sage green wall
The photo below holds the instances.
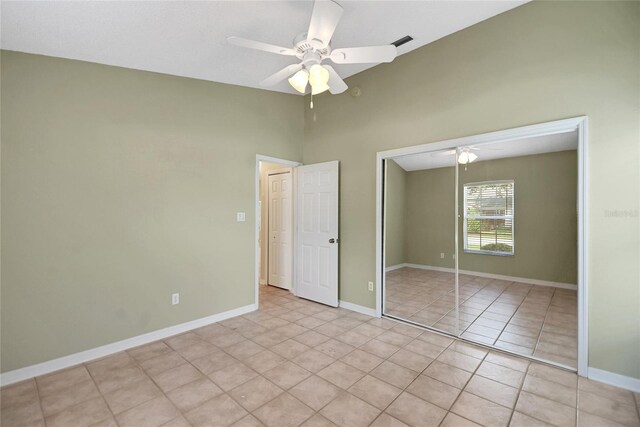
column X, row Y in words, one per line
column 546, row 229
column 539, row 62
column 395, row 214
column 116, row 193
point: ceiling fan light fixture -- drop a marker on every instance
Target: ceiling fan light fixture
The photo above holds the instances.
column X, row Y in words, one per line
column 466, row 157
column 318, row 79
column 299, row 81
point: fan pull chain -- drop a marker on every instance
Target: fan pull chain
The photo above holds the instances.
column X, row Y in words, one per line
column 311, row 104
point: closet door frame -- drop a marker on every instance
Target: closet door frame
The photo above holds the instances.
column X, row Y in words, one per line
column 579, row 124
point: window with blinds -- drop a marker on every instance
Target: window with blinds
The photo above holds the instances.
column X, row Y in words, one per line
column 488, row 217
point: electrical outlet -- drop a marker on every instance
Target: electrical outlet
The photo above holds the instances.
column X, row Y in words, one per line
column 371, row 286
column 240, row 217
column 175, row 299
column 442, row 255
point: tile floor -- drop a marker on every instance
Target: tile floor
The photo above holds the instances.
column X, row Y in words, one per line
column 295, row 362
column 523, row 318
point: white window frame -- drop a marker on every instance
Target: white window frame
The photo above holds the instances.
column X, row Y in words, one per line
column 511, row 217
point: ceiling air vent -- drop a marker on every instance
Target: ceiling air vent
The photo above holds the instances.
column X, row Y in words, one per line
column 403, row 40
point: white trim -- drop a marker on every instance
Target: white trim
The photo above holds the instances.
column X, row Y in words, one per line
column 394, row 267
column 256, row 220
column 550, row 128
column 358, row 308
column 106, row 350
column 491, row 276
column 611, row 378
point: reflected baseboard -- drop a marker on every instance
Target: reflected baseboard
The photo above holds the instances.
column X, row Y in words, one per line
column 486, row 275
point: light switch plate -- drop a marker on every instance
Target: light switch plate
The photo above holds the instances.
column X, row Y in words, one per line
column 240, row 217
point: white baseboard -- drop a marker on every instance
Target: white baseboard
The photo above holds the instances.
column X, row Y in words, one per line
column 358, row 308
column 628, row 383
column 27, row 372
column 395, row 267
column 488, row 275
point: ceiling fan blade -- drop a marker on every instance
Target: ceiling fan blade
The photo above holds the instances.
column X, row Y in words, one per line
column 443, row 153
column 281, row 75
column 336, row 84
column 252, row 44
column 364, row 55
column 324, row 20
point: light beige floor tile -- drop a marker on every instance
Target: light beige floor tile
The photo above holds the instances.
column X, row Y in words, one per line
column 60, row 380
column 85, row 413
column 290, row 348
column 341, row 374
column 254, row 393
column 546, row 410
column 556, row 375
column 350, row 411
column 335, row 348
column 516, row 363
column 62, row 399
column 98, row 368
column 287, row 375
column 393, row 374
column 468, row 349
column 318, row 421
column 193, row 394
column 448, row 374
column 586, row 419
column 248, row 421
column 162, row 363
column 550, row 390
column 521, row 420
column 386, row 420
column 21, row 393
column 119, row 377
column 481, row 411
column 362, row 360
column 175, row 377
column 124, row 398
column 379, row 348
column 415, row 411
column 264, row 361
column 424, row 348
column 24, row 415
column 315, row 392
column 608, row 408
column 409, row 359
column 453, row 420
column 459, row 360
column 155, row 412
column 494, row 391
column 213, row 362
column 232, row 376
column 244, row 349
column 501, row 374
column 284, row 411
column 353, row 338
column 149, row 351
column 311, row 338
column 219, row 411
column 375, row 392
column 434, row 391
column 313, row 360
column 606, row 390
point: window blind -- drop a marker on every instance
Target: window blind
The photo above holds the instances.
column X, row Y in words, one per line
column 488, row 217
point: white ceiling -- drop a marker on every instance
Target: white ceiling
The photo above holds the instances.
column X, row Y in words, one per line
column 188, row 38
column 491, row 151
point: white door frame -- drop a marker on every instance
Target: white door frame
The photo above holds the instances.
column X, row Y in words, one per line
column 287, row 163
column 281, row 171
column 548, row 128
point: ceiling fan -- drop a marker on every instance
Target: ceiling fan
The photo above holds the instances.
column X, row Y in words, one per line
column 465, row 154
column 314, row 47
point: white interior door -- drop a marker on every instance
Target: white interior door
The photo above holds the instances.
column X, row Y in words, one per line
column 317, row 233
column 280, row 229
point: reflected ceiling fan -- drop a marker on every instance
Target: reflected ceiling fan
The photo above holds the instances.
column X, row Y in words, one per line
column 314, row 47
column 466, row 154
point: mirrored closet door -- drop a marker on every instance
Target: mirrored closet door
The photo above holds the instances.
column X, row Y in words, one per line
column 481, row 242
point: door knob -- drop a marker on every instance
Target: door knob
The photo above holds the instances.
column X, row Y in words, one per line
column 333, row 240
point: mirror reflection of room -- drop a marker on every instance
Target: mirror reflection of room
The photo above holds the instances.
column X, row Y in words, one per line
column 517, row 244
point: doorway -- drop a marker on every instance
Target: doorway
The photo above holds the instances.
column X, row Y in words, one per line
column 480, row 238
column 297, row 241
